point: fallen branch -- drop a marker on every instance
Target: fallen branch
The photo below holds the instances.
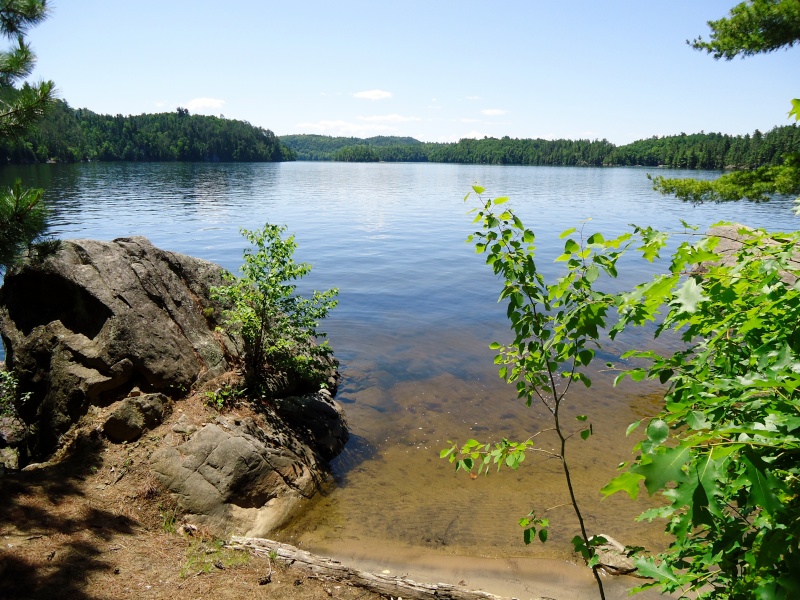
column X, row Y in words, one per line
column 387, row 585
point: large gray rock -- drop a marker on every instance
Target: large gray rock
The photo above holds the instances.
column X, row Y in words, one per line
column 97, row 319
column 238, row 476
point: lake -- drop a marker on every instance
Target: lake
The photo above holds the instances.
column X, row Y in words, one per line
column 418, row 309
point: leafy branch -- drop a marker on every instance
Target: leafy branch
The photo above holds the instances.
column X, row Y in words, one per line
column 556, row 326
column 278, row 326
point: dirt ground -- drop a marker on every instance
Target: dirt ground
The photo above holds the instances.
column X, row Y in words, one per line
column 97, row 525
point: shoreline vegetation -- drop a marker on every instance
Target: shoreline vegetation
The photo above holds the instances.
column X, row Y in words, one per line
column 67, row 135
column 713, row 151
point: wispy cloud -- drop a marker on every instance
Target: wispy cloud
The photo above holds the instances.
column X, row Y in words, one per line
column 475, row 135
column 393, row 118
column 373, row 95
column 203, row 104
column 494, row 112
column 339, row 127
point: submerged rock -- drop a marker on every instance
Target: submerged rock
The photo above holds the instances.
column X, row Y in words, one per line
column 614, row 557
column 318, row 419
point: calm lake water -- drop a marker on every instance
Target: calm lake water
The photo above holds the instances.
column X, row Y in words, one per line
column 416, row 315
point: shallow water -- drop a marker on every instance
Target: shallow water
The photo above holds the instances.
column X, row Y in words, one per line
column 417, row 312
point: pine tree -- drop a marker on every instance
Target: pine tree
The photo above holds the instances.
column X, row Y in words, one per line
column 752, row 27
column 23, row 216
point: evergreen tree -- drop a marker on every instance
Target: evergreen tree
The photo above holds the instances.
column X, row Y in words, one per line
column 752, row 27
column 22, row 213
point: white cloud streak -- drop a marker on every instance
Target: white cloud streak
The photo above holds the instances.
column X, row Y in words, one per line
column 393, row 118
column 345, row 128
column 202, row 104
column 373, row 95
column 494, row 112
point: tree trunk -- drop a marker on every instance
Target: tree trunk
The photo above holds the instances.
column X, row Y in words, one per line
column 387, row 585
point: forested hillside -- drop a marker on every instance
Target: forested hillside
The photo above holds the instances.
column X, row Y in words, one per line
column 71, row 135
column 325, row 147
column 696, row 151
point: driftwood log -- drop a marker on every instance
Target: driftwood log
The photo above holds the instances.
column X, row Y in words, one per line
column 387, row 585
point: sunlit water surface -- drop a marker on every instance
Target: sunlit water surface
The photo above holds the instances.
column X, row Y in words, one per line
column 417, row 312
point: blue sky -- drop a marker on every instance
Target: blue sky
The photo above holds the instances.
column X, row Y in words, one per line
column 434, row 70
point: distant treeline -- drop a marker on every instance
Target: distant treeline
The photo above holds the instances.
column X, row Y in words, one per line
column 696, row 151
column 72, row 135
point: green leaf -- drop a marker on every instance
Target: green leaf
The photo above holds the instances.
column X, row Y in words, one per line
column 646, row 567
column 581, row 418
column 500, row 200
column 585, row 356
column 664, row 468
column 596, row 238
column 567, row 232
column 585, row 433
column 688, row 296
column 633, row 426
column 543, row 535
column 795, row 112
column 697, row 420
column 657, row 431
column 527, row 535
column 478, row 189
column 627, row 482
column 762, row 485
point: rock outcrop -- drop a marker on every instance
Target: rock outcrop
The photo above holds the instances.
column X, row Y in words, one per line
column 237, row 474
column 112, row 336
column 100, row 318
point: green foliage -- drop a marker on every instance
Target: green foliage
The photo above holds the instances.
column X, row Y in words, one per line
column 709, row 150
column 556, row 325
column 694, row 151
column 224, row 397
column 70, row 135
column 325, row 147
column 724, row 450
column 9, row 394
column 753, row 27
column 23, row 219
column 757, row 185
column 359, row 153
column 278, row 326
column 20, row 107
